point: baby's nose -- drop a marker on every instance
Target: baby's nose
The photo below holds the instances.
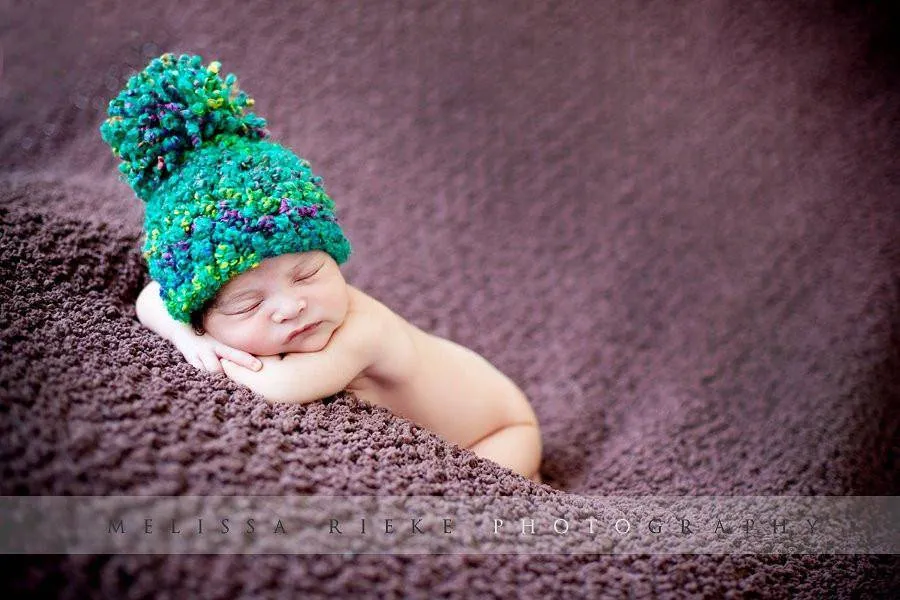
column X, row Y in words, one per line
column 287, row 310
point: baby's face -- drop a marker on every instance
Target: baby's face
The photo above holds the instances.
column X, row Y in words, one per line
column 260, row 309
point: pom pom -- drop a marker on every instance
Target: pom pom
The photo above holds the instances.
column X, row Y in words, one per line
column 171, row 107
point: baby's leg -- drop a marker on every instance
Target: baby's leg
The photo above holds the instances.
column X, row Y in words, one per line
column 517, row 447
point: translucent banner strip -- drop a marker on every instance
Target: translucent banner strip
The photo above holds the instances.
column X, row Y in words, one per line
column 449, row 525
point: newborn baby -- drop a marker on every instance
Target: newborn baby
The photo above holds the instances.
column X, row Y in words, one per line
column 244, row 245
column 316, row 335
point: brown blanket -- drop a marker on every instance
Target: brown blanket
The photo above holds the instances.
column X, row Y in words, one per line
column 674, row 227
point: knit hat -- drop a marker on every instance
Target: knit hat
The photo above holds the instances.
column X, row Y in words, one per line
column 219, row 198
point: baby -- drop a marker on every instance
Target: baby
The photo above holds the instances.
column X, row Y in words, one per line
column 316, row 335
column 244, row 249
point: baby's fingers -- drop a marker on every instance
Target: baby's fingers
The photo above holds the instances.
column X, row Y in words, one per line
column 210, row 362
column 244, row 359
column 193, row 359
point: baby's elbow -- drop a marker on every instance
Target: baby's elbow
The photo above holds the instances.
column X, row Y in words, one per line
column 149, row 294
column 140, row 311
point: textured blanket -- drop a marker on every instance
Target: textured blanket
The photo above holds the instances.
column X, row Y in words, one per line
column 674, row 227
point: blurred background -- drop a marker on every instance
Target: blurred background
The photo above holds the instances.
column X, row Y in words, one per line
column 607, row 200
column 613, row 202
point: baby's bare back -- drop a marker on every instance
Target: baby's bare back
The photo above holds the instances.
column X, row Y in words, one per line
column 436, row 382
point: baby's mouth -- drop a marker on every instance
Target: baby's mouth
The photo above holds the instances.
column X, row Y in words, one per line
column 303, row 331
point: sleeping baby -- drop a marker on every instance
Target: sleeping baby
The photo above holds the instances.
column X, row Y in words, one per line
column 244, row 251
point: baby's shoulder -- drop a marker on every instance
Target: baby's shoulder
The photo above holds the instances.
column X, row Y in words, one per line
column 391, row 339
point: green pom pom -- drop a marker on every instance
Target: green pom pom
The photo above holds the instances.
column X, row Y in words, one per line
column 171, row 107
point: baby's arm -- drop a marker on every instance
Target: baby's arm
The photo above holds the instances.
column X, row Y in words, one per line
column 302, row 377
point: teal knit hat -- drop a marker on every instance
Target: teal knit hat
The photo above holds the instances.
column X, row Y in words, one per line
column 218, row 197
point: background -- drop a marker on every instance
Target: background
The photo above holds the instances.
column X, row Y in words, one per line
column 673, row 224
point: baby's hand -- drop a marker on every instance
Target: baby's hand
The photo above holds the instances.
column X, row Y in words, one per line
column 204, row 352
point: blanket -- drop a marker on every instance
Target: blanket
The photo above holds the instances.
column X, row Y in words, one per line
column 675, row 227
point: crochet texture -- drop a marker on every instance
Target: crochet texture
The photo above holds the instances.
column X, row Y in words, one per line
column 219, row 197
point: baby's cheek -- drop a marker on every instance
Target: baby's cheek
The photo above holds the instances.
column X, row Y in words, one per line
column 240, row 335
column 253, row 338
